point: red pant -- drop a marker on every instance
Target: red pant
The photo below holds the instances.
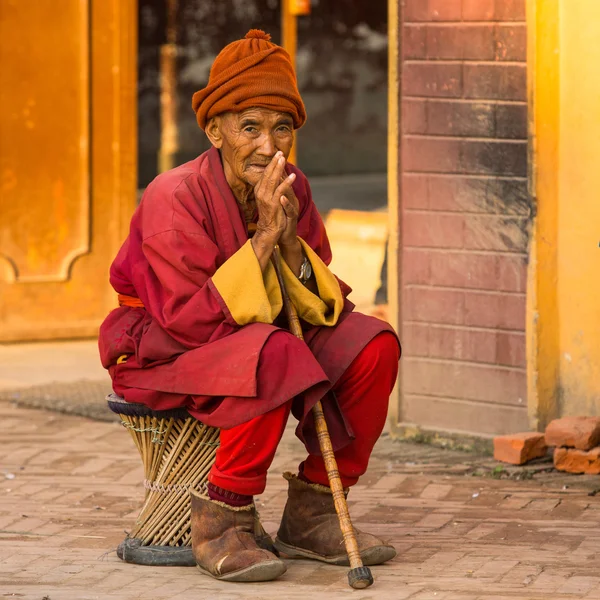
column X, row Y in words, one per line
column 246, row 451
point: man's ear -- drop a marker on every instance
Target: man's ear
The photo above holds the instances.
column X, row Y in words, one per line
column 213, row 131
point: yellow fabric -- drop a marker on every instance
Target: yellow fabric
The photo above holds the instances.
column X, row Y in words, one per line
column 250, row 295
column 321, row 310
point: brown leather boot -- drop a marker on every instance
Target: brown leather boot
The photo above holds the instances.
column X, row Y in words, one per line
column 224, row 542
column 310, row 528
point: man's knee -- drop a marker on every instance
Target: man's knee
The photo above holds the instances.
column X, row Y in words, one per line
column 382, row 352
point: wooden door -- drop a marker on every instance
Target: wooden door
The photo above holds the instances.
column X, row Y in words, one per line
column 67, row 161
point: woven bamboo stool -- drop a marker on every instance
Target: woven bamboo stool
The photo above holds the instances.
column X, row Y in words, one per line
column 177, row 452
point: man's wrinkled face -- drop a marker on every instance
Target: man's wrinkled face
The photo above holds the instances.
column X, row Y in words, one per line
column 248, row 141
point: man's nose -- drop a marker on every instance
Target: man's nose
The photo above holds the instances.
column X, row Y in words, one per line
column 266, row 146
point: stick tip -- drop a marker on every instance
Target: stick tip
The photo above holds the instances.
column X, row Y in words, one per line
column 360, row 578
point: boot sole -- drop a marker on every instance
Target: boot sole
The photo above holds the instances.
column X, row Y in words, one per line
column 264, row 571
column 375, row 555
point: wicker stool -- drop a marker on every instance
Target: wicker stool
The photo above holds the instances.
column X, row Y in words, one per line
column 177, row 452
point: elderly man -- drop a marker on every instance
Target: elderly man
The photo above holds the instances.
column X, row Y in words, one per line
column 200, row 322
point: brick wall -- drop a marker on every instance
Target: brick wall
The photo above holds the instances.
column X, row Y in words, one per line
column 465, row 214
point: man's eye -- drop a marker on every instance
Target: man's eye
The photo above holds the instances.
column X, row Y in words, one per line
column 250, row 129
column 284, row 129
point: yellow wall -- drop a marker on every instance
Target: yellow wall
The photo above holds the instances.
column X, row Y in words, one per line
column 564, row 303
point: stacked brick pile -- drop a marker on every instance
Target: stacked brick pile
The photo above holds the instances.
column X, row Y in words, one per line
column 576, row 442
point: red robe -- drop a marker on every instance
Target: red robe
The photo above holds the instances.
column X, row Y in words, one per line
column 185, row 349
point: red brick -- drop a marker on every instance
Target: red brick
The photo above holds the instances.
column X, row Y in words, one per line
column 511, row 273
column 496, row 233
column 455, row 42
column 454, row 269
column 511, row 121
column 475, row 345
column 415, row 266
column 437, row 155
column 432, row 305
column 414, row 191
column 577, row 461
column 447, row 117
column 494, row 158
column 495, row 82
column 414, row 116
column 462, row 344
column 432, row 230
column 415, row 10
column 510, row 349
column 519, row 448
column 445, row 10
column 478, row 10
column 432, row 80
column 498, row 311
column 414, row 38
column 582, row 433
column 415, row 339
column 462, row 415
column 481, row 383
column 483, row 195
column 452, row 194
column 510, row 10
column 511, row 42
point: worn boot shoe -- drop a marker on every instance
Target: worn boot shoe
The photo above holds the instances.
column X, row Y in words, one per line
column 224, row 542
column 310, row 528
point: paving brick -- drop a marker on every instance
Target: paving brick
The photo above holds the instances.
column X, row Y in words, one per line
column 580, row 585
column 577, row 432
column 451, row 546
column 519, row 448
column 572, row 460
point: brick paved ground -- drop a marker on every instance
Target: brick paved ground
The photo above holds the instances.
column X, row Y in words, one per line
column 459, row 536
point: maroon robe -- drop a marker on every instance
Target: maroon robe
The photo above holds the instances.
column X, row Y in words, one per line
column 185, row 349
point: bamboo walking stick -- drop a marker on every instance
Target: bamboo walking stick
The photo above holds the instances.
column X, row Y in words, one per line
column 359, row 576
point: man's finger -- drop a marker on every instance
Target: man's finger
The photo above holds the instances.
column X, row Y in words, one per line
column 285, row 187
column 288, row 208
column 273, row 173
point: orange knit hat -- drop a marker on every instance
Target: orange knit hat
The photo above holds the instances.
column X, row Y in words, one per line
column 252, row 72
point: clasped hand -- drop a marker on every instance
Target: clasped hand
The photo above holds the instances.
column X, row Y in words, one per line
column 277, row 204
